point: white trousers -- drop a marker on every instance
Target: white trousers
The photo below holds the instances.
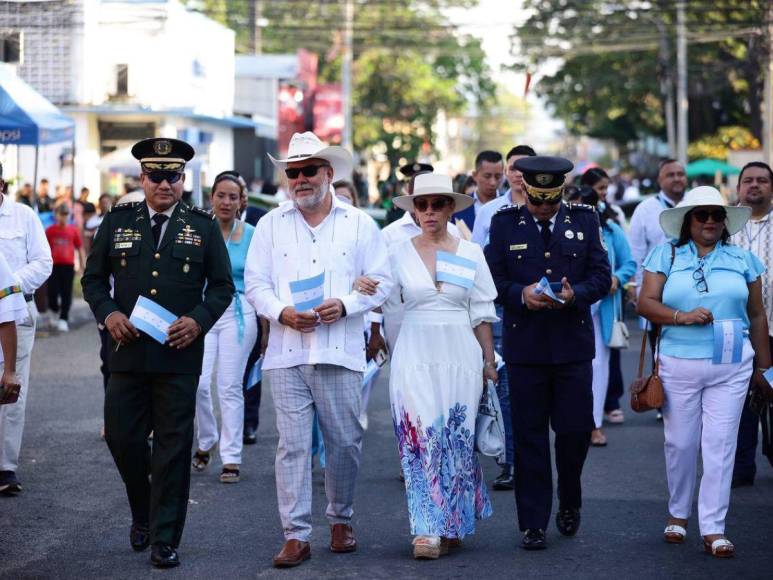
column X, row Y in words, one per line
column 222, row 346
column 12, row 416
column 701, row 412
column 600, row 369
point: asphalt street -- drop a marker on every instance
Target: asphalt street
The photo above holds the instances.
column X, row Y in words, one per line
column 72, row 519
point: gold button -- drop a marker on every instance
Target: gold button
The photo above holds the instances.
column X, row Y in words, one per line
column 519, row 257
column 123, row 254
column 154, row 274
column 186, row 268
column 187, row 258
column 153, row 291
column 123, row 262
column 548, row 271
column 157, row 256
column 547, row 254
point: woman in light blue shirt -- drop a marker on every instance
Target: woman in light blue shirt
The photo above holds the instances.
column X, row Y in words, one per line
column 706, row 295
column 228, row 342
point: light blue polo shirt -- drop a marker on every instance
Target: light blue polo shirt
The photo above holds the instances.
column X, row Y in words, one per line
column 727, row 269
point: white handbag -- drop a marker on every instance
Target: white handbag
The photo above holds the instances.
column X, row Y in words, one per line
column 489, row 425
column 620, row 334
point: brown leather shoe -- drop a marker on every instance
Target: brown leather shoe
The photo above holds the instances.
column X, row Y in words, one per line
column 342, row 539
column 293, row 553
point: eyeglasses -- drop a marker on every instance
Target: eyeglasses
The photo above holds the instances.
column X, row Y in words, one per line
column 307, row 170
column 700, row 279
column 170, row 177
column 421, row 204
column 717, row 215
column 538, row 202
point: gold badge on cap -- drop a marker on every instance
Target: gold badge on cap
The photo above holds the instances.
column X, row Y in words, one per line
column 543, row 178
column 162, row 147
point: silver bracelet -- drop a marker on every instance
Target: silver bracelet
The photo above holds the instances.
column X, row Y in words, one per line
column 676, row 313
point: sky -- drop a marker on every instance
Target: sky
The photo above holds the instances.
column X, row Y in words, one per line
column 492, row 21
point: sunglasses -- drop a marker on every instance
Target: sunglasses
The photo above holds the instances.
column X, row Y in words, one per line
column 538, row 202
column 717, row 215
column 170, row 177
column 307, row 170
column 436, row 204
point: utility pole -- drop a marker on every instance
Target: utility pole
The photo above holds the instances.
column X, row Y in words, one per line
column 681, row 84
column 346, row 74
column 767, row 95
column 667, row 87
column 255, row 17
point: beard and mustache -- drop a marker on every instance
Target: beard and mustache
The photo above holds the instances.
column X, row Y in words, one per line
column 309, row 201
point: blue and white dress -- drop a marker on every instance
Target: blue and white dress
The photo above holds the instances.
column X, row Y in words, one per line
column 435, row 387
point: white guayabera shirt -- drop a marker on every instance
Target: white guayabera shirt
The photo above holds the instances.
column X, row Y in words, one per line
column 284, row 249
column 757, row 237
column 23, row 243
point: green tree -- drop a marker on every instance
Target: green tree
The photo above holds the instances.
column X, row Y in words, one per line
column 410, row 62
column 615, row 55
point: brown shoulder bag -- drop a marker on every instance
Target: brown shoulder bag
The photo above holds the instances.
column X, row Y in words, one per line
column 647, row 392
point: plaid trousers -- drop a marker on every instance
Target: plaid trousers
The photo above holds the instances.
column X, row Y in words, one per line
column 335, row 392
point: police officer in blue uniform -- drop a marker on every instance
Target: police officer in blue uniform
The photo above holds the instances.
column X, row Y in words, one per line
column 548, row 345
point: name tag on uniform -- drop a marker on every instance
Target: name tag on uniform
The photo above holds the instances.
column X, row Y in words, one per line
column 728, row 341
column 309, row 292
column 152, row 319
column 123, row 245
column 455, row 270
column 515, row 247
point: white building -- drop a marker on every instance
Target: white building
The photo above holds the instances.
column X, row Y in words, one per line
column 127, row 70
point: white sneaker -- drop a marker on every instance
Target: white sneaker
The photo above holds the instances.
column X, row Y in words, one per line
column 62, row 326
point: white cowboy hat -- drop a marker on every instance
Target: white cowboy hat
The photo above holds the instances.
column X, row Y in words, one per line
column 671, row 219
column 433, row 184
column 308, row 146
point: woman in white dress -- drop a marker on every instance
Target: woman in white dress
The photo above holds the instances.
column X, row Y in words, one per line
column 441, row 360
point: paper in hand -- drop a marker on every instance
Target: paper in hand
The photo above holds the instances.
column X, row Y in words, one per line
column 543, row 287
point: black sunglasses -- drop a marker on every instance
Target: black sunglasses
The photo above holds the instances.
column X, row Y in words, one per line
column 717, row 215
column 421, row 204
column 307, row 170
column 169, row 176
column 538, row 202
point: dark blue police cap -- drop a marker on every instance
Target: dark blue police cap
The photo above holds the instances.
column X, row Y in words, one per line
column 543, row 176
column 162, row 154
column 410, row 169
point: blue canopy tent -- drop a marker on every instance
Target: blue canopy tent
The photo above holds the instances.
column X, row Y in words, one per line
column 28, row 118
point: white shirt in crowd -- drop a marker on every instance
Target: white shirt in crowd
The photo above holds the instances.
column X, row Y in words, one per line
column 757, row 237
column 483, row 216
column 645, row 232
column 405, row 228
column 284, row 248
column 23, row 243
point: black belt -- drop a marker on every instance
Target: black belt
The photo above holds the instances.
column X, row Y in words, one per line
column 29, row 297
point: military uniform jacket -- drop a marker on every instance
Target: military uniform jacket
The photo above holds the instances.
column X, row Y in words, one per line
column 517, row 257
column 189, row 274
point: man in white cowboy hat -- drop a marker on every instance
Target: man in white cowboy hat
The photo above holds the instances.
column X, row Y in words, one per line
column 301, row 265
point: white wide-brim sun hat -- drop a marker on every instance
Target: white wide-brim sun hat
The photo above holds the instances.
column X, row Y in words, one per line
column 671, row 219
column 308, row 146
column 433, row 184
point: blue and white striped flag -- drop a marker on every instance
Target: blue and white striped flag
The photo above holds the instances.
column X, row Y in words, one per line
column 455, row 270
column 152, row 319
column 728, row 341
column 309, row 292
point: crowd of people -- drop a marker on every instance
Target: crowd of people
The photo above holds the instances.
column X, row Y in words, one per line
column 517, row 283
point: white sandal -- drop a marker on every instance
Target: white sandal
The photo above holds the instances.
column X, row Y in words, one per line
column 674, row 534
column 719, row 548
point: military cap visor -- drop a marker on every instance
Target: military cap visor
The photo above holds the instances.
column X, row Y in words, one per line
column 161, row 154
column 410, row 169
column 543, row 176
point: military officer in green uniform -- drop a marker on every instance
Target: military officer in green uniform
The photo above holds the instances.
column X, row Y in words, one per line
column 174, row 255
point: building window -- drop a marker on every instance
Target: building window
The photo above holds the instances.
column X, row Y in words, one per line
column 10, row 47
column 121, row 80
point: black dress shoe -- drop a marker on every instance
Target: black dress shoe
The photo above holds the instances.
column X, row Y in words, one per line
column 139, row 536
column 568, row 521
column 505, row 480
column 250, row 437
column 164, row 556
column 9, row 485
column 534, row 539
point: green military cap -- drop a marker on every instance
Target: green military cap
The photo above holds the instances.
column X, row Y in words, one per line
column 162, row 154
